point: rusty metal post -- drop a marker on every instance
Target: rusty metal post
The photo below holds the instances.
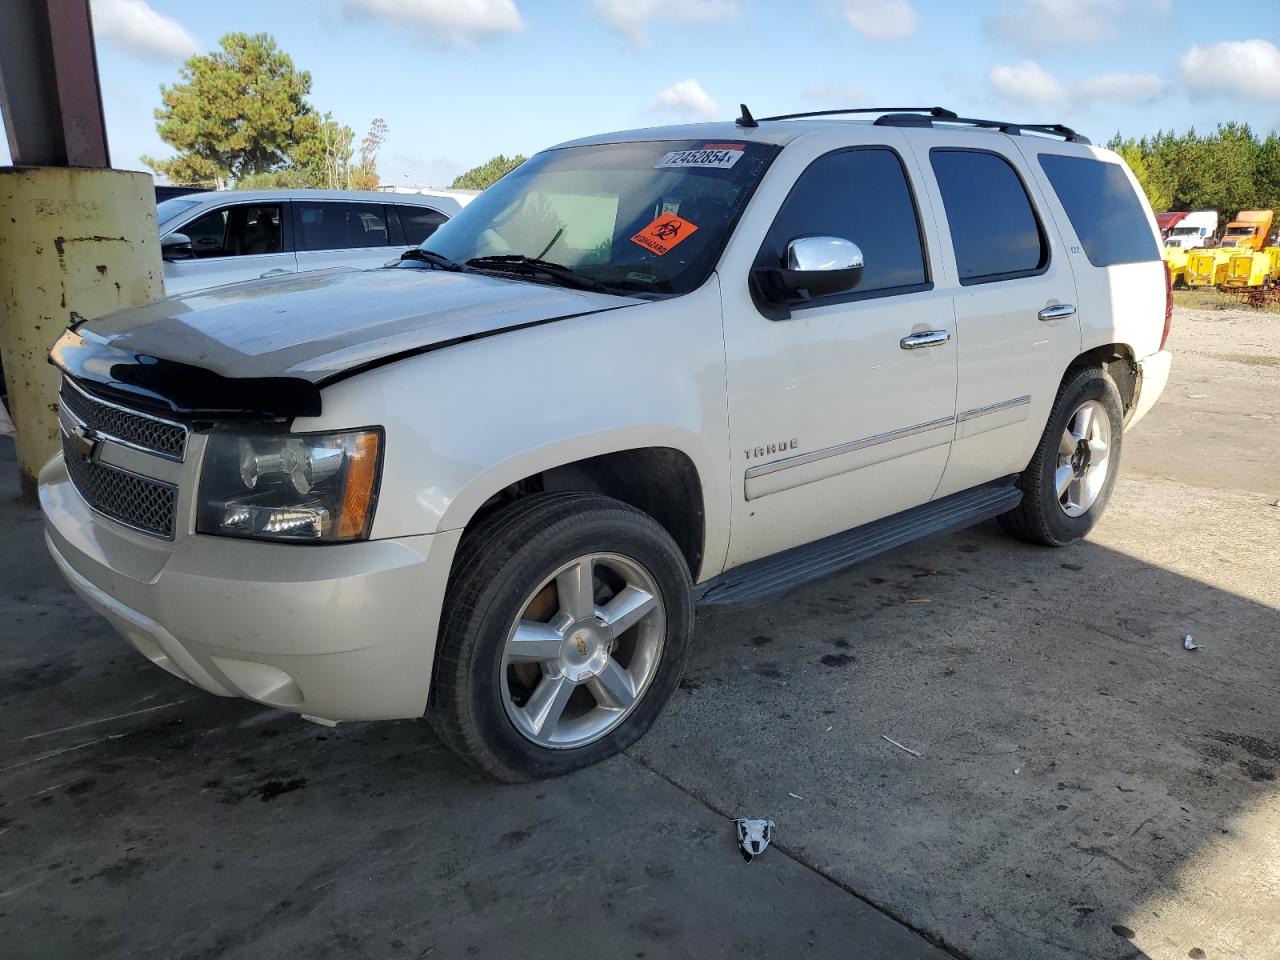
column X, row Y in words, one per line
column 74, row 235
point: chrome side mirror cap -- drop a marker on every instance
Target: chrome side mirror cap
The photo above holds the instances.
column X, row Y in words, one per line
column 812, row 267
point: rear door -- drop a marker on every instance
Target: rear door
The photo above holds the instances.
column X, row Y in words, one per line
column 342, row 233
column 231, row 243
column 1011, row 281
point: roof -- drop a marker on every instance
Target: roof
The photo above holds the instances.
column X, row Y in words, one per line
column 372, row 196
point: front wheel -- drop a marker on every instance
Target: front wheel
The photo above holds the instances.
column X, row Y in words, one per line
column 566, row 627
column 1067, row 484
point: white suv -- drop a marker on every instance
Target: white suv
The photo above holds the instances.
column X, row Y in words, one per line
column 208, row 239
column 644, row 370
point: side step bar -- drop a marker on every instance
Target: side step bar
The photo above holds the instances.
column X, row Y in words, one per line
column 822, row 558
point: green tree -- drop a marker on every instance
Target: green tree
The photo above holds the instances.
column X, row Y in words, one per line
column 488, row 173
column 237, row 113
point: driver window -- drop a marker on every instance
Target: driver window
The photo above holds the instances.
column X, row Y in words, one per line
column 860, row 195
column 235, row 231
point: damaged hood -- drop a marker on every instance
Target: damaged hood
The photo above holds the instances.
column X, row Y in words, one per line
column 231, row 349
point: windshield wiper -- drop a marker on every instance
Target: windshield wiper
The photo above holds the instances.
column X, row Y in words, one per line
column 430, row 256
column 518, row 262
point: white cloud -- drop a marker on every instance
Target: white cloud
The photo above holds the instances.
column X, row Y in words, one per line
column 134, row 27
column 631, row 17
column 1248, row 68
column 1029, row 83
column 688, row 99
column 1053, row 24
column 835, row 95
column 880, row 19
column 442, row 22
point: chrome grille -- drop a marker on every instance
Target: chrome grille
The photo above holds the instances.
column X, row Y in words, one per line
column 161, row 437
column 139, row 502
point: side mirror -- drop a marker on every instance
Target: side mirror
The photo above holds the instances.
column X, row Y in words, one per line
column 813, row 267
column 176, row 246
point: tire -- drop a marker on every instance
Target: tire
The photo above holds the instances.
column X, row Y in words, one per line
column 1044, row 516
column 517, row 560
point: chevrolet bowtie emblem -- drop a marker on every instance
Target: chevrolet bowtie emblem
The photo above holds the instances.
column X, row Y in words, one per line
column 582, row 646
column 83, row 442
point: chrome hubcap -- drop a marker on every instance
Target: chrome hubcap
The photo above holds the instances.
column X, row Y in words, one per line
column 583, row 652
column 1084, row 455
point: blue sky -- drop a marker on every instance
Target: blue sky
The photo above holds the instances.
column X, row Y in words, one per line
column 460, row 80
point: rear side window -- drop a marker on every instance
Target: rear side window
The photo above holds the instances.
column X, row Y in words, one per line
column 860, row 195
column 993, row 227
column 339, row 226
column 1105, row 212
column 419, row 222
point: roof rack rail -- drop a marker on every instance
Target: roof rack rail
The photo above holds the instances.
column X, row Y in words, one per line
column 940, row 112
column 920, row 119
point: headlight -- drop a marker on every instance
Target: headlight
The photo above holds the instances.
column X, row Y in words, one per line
column 312, row 487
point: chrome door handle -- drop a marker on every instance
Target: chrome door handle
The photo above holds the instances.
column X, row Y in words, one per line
column 927, row 338
column 1057, row 311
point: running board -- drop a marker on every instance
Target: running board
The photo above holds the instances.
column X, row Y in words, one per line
column 822, row 558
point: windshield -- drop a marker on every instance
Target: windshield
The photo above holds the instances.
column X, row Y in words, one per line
column 168, row 209
column 638, row 218
column 1185, row 231
column 1239, row 231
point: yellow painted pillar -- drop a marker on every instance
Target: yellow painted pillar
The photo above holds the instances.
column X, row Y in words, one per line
column 71, row 241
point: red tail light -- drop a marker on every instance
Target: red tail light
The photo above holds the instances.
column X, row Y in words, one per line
column 1168, row 304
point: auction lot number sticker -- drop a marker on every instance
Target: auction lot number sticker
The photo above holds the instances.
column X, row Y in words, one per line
column 717, row 156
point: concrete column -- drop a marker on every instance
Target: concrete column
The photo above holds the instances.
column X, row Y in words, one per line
column 71, row 241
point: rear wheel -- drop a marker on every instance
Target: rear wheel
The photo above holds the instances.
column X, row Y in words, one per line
column 1067, row 485
column 566, row 627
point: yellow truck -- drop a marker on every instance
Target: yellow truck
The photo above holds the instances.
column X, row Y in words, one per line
column 1176, row 257
column 1248, row 269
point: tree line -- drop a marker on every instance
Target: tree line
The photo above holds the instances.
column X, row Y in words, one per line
column 239, row 117
column 1228, row 170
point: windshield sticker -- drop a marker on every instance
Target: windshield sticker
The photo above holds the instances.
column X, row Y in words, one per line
column 664, row 233
column 718, row 156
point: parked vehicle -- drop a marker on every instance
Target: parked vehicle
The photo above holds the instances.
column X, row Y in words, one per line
column 1193, row 230
column 1167, row 220
column 228, row 236
column 703, row 363
column 1245, row 268
column 1248, row 229
column 1207, row 268
column 1177, row 258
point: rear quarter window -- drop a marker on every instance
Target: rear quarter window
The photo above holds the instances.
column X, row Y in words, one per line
column 1103, row 208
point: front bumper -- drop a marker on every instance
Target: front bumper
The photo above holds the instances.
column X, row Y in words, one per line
column 1153, row 376
column 342, row 632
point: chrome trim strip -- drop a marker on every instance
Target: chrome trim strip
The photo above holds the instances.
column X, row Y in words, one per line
column 186, row 431
column 764, row 469
column 993, row 408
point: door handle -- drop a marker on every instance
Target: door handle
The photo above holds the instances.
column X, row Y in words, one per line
column 280, row 273
column 1057, row 311
column 926, row 338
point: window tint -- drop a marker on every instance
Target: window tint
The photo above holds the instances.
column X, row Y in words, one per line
column 993, row 228
column 419, row 222
column 209, row 234
column 858, row 195
column 339, row 226
column 236, row 231
column 1106, row 214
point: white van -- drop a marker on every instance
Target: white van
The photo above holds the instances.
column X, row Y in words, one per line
column 208, row 239
column 645, row 370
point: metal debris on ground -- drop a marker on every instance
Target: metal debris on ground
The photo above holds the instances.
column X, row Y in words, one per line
column 1189, row 644
column 794, row 796
column 754, row 836
column 914, row 753
column 919, row 600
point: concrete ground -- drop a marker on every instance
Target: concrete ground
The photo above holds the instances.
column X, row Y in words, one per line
column 1084, row 785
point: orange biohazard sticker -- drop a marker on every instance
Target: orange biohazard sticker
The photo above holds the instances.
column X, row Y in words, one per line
column 664, row 233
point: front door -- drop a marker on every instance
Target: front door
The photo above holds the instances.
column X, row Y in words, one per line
column 230, row 244
column 841, row 410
